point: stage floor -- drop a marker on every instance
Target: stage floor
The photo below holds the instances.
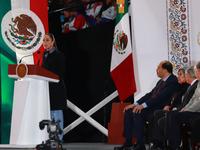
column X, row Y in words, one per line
column 71, row 146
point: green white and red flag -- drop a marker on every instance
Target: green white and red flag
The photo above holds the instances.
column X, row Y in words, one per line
column 122, row 70
column 23, row 23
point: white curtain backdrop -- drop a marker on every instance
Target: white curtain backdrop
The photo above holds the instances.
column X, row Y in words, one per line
column 194, row 30
column 150, row 41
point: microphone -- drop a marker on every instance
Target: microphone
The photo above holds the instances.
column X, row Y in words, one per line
column 39, row 59
column 38, row 52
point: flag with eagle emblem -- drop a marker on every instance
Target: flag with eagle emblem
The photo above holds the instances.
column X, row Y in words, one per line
column 122, row 70
column 23, row 23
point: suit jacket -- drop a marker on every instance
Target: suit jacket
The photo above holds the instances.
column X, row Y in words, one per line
column 194, row 103
column 187, row 96
column 164, row 95
column 55, row 62
column 177, row 97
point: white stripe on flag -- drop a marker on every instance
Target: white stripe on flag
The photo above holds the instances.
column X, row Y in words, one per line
column 15, row 4
column 126, row 28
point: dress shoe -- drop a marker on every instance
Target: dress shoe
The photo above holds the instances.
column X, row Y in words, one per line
column 157, row 145
column 128, row 148
column 137, row 147
column 125, row 145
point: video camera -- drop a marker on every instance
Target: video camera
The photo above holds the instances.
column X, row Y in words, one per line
column 54, row 130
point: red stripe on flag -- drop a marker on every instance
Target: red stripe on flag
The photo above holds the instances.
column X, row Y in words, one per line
column 123, row 76
column 40, row 8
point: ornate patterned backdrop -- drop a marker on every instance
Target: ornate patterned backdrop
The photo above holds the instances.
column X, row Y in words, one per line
column 178, row 33
column 163, row 30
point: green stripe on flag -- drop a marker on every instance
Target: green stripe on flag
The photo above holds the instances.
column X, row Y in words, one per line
column 120, row 15
column 7, row 56
column 7, row 88
column 4, row 8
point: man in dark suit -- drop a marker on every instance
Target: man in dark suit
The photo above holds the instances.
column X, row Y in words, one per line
column 136, row 114
column 174, row 120
column 159, row 115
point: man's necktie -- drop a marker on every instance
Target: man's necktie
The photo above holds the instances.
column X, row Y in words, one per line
column 157, row 89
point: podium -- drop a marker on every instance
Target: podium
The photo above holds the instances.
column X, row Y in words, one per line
column 30, row 103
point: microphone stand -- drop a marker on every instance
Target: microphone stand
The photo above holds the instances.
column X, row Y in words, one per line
column 27, row 56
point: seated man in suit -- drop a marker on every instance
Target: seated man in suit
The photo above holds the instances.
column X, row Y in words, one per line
column 136, row 114
column 159, row 115
column 174, row 120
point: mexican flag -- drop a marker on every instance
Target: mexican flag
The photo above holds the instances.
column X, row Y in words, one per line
column 122, row 70
column 23, row 24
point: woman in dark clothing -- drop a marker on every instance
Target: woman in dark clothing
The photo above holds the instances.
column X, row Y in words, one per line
column 54, row 61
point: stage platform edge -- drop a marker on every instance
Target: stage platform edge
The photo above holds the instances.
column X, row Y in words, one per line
column 9, row 146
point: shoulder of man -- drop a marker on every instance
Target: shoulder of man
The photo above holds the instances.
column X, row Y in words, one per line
column 191, row 90
column 195, row 84
column 172, row 78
